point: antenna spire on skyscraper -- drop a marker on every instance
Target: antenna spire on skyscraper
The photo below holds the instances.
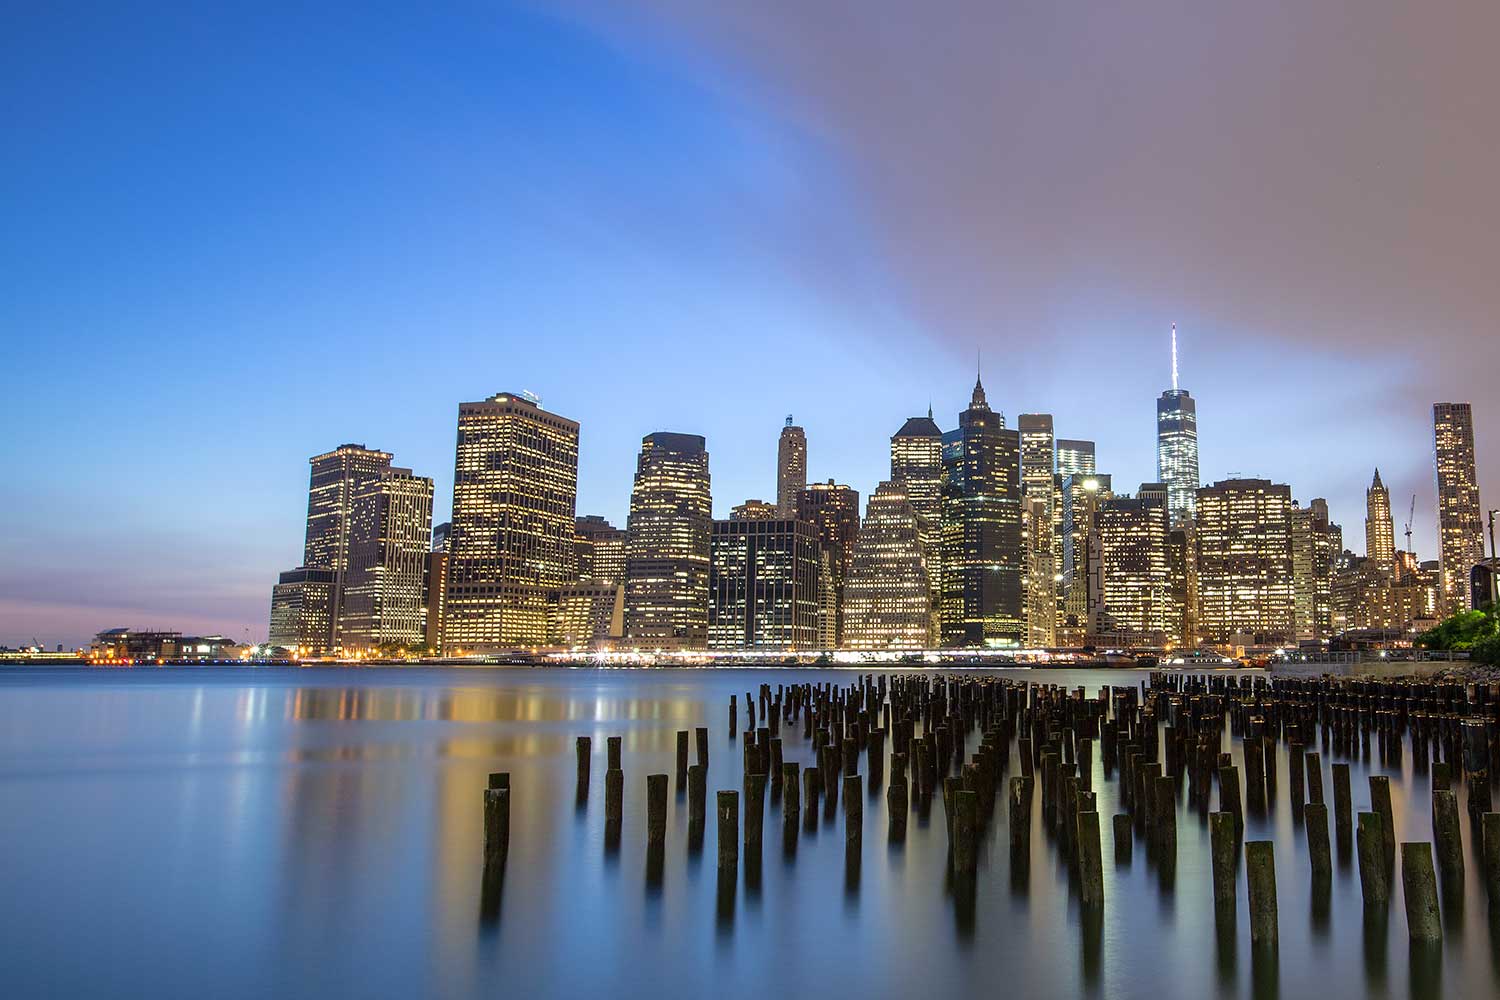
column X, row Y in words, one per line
column 1174, row 357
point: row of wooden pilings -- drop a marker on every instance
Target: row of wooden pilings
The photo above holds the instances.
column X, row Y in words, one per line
column 1178, row 718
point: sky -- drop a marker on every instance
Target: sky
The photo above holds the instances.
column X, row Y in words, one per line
column 239, row 235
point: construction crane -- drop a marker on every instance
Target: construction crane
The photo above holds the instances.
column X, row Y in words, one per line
column 1410, row 517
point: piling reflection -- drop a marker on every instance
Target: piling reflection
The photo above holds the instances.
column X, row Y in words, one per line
column 1376, row 935
column 1425, row 967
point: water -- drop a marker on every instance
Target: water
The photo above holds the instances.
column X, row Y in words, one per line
column 247, row 833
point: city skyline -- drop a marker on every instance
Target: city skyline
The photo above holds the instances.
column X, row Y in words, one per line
column 171, row 301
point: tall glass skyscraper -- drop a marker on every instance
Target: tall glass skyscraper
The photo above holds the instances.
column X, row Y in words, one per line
column 1177, row 446
column 1460, row 533
column 670, row 543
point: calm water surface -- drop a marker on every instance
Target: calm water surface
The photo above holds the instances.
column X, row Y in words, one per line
column 248, row 833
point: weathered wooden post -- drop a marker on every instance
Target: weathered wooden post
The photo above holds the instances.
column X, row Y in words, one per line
column 1419, row 887
column 965, row 809
column 854, row 808
column 729, row 829
column 1223, row 842
column 682, row 757
column 1314, row 776
column 1490, row 853
column 1343, row 806
column 812, row 784
column 1124, row 838
column 1229, row 795
column 1445, row 830
column 584, row 748
column 499, row 779
column 1294, row 763
column 1380, row 804
column 697, row 804
column 791, row 794
column 1315, row 815
column 775, row 764
column 701, row 734
column 1090, row 859
column 614, row 799
column 612, row 753
column 896, row 807
column 656, row 808
column 1372, row 871
column 1165, row 815
column 496, row 828
column 1260, row 875
column 1020, row 820
column 755, row 811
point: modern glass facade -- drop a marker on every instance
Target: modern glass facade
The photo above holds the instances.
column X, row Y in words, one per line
column 763, row 585
column 1460, row 529
column 888, row 596
column 1245, row 585
column 390, row 539
column 670, row 542
column 1177, row 452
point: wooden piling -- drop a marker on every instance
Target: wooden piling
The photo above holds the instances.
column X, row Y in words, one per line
column 496, row 828
column 1124, row 838
column 656, row 808
column 1020, row 819
column 1165, row 814
column 1490, row 855
column 854, row 807
column 584, row 749
column 755, row 810
column 1260, row 876
column 1090, row 860
column 1314, row 776
column 1419, row 887
column 791, row 793
column 701, row 734
column 965, row 809
column 1229, row 795
column 1380, row 804
column 729, row 829
column 1223, row 842
column 1315, row 816
column 697, row 802
column 896, row 808
column 682, row 757
column 612, row 753
column 1343, row 807
column 1373, row 884
column 614, row 798
column 1446, row 833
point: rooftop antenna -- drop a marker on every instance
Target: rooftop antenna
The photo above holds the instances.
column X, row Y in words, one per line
column 1174, row 357
column 789, row 420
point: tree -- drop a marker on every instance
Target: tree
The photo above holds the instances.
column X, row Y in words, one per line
column 1467, row 630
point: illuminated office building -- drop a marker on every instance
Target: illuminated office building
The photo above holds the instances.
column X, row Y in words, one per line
column 1038, row 455
column 1316, row 544
column 983, row 552
column 668, row 554
column 1245, row 584
column 1182, row 560
column 791, row 467
column 1082, row 495
column 888, row 597
column 833, row 509
column 1132, row 579
column 440, row 533
column 515, row 489
column 601, row 550
column 1380, row 527
column 302, row 610
column 1074, row 457
column 1041, row 571
column 763, row 585
column 591, row 614
column 336, row 478
column 755, row 510
column 1366, row 598
column 390, row 537
column 434, row 595
column 1460, row 534
column 1177, row 445
column 917, row 464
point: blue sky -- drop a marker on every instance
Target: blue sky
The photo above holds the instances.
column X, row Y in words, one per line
column 236, row 238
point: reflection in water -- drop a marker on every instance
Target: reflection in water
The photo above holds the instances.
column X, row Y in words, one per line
column 339, row 814
column 1265, row 972
column 1425, row 962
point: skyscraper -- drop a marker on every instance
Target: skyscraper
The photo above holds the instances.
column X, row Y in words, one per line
column 515, row 489
column 1316, row 544
column 791, row 467
column 337, row 477
column 1075, row 457
column 1041, row 569
column 390, row 538
column 1177, row 445
column 601, row 550
column 763, row 585
column 983, row 553
column 833, row 509
column 302, row 610
column 887, row 597
column 1082, row 496
column 1460, row 531
column 1380, row 528
column 1133, row 578
column 917, row 464
column 670, row 545
column 1245, row 584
